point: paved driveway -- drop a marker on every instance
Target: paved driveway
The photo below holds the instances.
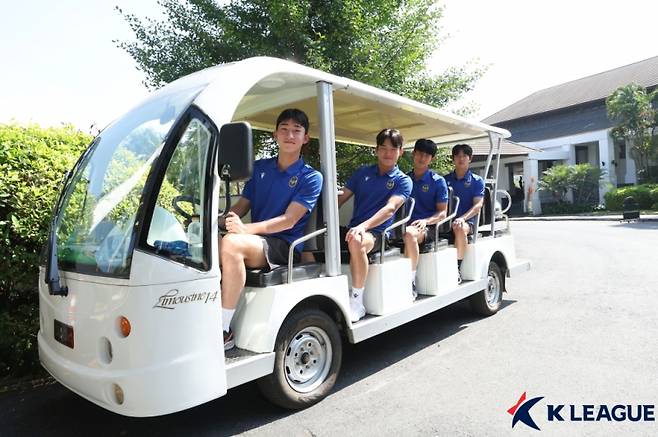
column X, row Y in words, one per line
column 580, row 328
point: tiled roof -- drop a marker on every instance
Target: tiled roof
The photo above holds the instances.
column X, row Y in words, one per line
column 588, row 89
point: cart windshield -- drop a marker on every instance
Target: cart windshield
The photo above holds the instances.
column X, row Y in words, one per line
column 96, row 220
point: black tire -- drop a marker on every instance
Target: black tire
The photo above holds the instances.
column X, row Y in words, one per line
column 487, row 302
column 307, row 333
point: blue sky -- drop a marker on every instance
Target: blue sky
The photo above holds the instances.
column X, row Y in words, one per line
column 59, row 63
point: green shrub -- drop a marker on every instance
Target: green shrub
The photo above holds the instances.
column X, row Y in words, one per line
column 33, row 162
column 654, row 195
column 644, row 195
column 582, row 179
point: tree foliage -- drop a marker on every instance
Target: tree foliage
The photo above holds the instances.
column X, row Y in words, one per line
column 384, row 43
column 631, row 107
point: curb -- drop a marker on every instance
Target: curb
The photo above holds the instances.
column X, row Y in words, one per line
column 651, row 218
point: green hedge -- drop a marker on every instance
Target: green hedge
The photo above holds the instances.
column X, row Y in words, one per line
column 645, row 195
column 33, row 161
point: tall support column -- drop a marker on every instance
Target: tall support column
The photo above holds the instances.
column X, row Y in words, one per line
column 328, row 168
column 531, row 178
column 495, row 146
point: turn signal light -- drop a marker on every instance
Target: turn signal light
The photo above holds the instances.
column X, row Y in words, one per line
column 124, row 326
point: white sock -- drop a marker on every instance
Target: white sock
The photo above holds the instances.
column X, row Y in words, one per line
column 357, row 294
column 413, row 276
column 227, row 316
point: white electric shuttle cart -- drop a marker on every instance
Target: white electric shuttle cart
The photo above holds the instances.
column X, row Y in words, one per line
column 130, row 294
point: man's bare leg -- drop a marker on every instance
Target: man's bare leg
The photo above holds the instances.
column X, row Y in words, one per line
column 412, row 239
column 460, row 238
column 237, row 251
column 359, row 248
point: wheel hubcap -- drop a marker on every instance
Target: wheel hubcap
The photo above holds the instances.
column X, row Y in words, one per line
column 308, row 359
column 493, row 289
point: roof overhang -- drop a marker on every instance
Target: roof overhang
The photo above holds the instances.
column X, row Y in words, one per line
column 481, row 146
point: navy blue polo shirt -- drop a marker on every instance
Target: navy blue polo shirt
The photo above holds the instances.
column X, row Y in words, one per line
column 429, row 190
column 470, row 186
column 372, row 191
column 271, row 190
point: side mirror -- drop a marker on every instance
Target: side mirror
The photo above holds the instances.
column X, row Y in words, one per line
column 236, row 152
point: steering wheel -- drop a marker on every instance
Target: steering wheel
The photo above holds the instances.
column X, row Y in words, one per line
column 185, row 198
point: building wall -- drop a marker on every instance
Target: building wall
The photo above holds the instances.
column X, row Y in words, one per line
column 600, row 153
column 587, row 117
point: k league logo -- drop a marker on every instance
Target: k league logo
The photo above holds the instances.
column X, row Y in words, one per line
column 521, row 411
column 581, row 413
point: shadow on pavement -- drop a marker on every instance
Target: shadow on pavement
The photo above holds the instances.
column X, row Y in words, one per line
column 637, row 225
column 56, row 411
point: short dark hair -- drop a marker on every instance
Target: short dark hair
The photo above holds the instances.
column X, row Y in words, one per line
column 462, row 148
column 392, row 134
column 426, row 146
column 294, row 114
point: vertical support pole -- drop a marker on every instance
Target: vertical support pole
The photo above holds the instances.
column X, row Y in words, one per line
column 491, row 149
column 330, row 180
column 494, row 193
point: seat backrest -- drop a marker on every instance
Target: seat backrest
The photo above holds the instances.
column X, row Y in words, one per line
column 485, row 212
column 315, row 222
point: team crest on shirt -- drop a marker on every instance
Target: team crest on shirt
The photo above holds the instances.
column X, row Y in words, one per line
column 390, row 184
column 292, row 182
column 467, row 183
column 425, row 188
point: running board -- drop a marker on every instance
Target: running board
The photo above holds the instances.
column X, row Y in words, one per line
column 373, row 325
column 243, row 366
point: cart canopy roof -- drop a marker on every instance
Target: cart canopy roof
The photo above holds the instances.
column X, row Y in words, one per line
column 257, row 89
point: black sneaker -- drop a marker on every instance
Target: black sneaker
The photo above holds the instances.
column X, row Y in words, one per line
column 229, row 342
column 459, row 276
column 414, row 292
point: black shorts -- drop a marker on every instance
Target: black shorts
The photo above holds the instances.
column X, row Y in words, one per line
column 276, row 252
column 378, row 239
column 429, row 234
column 451, row 236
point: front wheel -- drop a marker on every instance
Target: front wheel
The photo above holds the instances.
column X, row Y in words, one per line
column 307, row 360
column 487, row 302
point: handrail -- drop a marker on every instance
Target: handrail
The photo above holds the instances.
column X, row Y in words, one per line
column 502, row 212
column 509, row 197
column 295, row 243
column 393, row 226
column 438, row 224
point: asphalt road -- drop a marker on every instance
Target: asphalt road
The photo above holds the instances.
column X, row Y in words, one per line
column 580, row 328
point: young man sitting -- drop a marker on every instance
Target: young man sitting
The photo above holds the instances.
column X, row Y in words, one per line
column 281, row 193
column 431, row 195
column 469, row 188
column 379, row 191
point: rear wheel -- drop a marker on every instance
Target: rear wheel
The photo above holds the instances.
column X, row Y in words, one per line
column 307, row 360
column 487, row 302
